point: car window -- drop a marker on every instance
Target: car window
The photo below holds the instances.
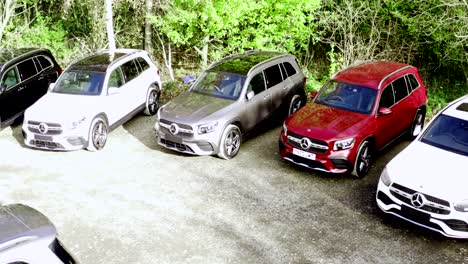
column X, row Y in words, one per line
column 80, row 83
column 448, row 133
column 45, row 62
column 257, row 84
column 412, row 82
column 27, row 69
column 289, row 69
column 116, row 78
column 273, row 75
column 143, row 64
column 387, row 97
column 130, row 70
column 399, row 89
column 10, row 78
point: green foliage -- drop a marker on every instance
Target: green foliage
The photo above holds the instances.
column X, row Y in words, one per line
column 41, row 33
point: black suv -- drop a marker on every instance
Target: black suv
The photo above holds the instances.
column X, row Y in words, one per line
column 25, row 75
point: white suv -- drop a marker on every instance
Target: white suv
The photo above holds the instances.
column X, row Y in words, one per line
column 426, row 183
column 28, row 237
column 91, row 97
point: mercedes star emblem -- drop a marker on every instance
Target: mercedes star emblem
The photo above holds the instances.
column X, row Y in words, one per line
column 43, row 128
column 305, row 143
column 174, row 128
column 418, row 200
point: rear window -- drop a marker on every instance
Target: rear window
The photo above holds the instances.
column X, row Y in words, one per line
column 289, row 69
column 130, row 70
column 143, row 64
column 399, row 89
column 45, row 62
column 27, row 69
column 273, row 75
column 412, row 82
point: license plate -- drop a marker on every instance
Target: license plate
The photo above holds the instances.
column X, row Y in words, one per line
column 416, row 215
column 171, row 137
column 303, row 154
column 43, row 138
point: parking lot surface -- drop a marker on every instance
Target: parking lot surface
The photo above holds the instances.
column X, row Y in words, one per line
column 134, row 202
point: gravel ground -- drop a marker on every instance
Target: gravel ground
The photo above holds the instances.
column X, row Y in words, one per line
column 134, row 202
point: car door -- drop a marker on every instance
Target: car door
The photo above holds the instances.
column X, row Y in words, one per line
column 275, row 85
column 48, row 73
column 259, row 106
column 385, row 130
column 10, row 99
column 132, row 85
column 116, row 102
column 29, row 82
column 403, row 105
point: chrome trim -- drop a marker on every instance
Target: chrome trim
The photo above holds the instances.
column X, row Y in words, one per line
column 189, row 131
column 311, row 144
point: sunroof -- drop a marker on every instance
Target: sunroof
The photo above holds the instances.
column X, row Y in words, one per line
column 463, row 107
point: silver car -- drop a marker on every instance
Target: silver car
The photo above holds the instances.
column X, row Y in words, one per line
column 27, row 236
column 229, row 99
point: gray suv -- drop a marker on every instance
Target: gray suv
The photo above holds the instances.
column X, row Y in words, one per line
column 229, row 99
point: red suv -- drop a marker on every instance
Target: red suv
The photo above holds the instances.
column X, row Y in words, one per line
column 359, row 111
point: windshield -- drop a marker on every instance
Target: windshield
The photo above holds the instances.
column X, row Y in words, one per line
column 80, row 82
column 220, row 84
column 347, row 96
column 448, row 133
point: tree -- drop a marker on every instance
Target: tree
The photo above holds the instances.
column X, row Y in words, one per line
column 148, row 26
column 110, row 25
column 7, row 10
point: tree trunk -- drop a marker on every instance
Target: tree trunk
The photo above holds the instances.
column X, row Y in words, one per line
column 6, row 12
column 110, row 25
column 148, row 26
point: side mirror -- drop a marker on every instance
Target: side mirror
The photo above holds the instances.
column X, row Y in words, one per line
column 249, row 95
column 2, row 88
column 385, row 111
column 189, row 79
column 313, row 94
column 51, row 87
column 113, row 90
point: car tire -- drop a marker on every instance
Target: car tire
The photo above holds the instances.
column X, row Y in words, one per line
column 152, row 101
column 417, row 125
column 97, row 134
column 363, row 159
column 230, row 142
column 296, row 103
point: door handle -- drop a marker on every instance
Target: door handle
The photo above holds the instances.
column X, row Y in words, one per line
column 266, row 97
column 286, row 87
column 21, row 88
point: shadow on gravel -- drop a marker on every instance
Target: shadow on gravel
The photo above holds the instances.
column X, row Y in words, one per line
column 17, row 133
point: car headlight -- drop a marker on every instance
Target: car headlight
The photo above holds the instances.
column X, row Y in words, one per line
column 77, row 123
column 285, row 129
column 385, row 178
column 344, row 144
column 461, row 206
column 207, row 128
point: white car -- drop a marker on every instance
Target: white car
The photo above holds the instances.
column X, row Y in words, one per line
column 426, row 183
column 27, row 236
column 91, row 97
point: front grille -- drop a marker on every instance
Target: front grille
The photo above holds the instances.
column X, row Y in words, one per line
column 310, row 163
column 317, row 146
column 433, row 204
column 184, row 130
column 457, row 225
column 177, row 146
column 52, row 128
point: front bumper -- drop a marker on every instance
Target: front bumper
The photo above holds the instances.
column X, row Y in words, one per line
column 331, row 161
column 449, row 223
column 59, row 140
column 205, row 144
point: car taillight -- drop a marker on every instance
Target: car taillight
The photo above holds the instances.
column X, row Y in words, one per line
column 305, row 80
column 60, row 70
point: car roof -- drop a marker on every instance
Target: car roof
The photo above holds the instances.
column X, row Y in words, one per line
column 20, row 223
column 7, row 55
column 242, row 63
column 101, row 60
column 459, row 108
column 369, row 74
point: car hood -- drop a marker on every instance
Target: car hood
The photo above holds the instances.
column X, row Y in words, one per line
column 326, row 123
column 430, row 170
column 61, row 108
column 192, row 107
